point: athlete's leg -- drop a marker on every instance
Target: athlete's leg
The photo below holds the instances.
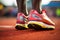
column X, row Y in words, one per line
column 36, row 5
column 21, row 6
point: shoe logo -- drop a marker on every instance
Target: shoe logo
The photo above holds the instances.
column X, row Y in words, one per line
column 21, row 18
column 35, row 16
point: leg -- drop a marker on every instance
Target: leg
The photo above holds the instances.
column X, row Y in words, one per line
column 36, row 5
column 21, row 6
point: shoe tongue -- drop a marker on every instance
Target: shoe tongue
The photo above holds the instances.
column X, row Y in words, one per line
column 43, row 11
column 21, row 14
column 34, row 11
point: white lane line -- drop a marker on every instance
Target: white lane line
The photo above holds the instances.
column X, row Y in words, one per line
column 7, row 26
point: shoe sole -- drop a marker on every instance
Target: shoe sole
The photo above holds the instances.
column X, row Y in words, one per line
column 21, row 26
column 39, row 25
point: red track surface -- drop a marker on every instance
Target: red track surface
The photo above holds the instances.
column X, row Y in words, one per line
column 13, row 34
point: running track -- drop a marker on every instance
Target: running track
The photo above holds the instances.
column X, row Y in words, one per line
column 10, row 33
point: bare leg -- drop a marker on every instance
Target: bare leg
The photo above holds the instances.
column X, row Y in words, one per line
column 36, row 5
column 21, row 6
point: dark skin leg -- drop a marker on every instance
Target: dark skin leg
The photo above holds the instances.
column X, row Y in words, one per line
column 21, row 6
column 36, row 5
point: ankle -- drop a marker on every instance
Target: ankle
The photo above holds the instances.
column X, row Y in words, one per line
column 38, row 10
column 22, row 12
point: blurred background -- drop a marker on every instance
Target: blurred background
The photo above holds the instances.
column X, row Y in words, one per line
column 9, row 8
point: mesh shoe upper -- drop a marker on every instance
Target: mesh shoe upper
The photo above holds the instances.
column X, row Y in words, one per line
column 35, row 16
column 21, row 18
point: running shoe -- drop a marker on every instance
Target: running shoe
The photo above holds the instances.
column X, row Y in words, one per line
column 21, row 23
column 39, row 21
